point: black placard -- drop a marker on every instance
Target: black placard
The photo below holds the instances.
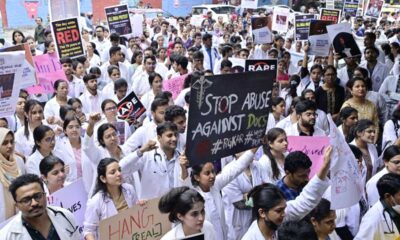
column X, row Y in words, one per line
column 130, row 108
column 68, row 38
column 118, row 19
column 263, row 65
column 302, row 26
column 228, row 114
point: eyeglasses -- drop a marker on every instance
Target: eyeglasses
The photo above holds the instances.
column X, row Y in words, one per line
column 26, row 201
column 110, row 109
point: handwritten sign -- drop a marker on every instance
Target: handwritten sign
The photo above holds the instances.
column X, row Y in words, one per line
column 313, row 147
column 48, row 70
column 138, row 222
column 302, row 26
column 228, row 114
column 75, row 202
column 266, row 65
column 332, row 15
column 130, row 107
column 118, row 19
column 174, row 85
column 68, row 37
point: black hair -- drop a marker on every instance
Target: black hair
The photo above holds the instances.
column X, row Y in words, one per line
column 75, row 64
column 390, row 152
column 191, row 78
column 69, row 119
column 81, row 59
column 166, row 126
column 46, row 45
column 27, row 108
column 88, row 77
column 265, row 196
column 198, row 55
column 331, row 67
column 157, row 102
column 183, row 61
column 135, row 55
column 388, row 183
column 179, row 200
column 114, row 37
column 359, row 127
column 24, row 180
column 64, row 110
column 225, row 50
column 305, row 91
column 66, row 60
column 71, row 101
column 120, row 83
column 101, row 171
column 226, row 63
column 38, row 135
column 353, row 80
column 113, row 50
column 101, row 130
column 174, row 111
column 315, row 66
column 103, row 104
column 206, row 36
column 58, row 82
column 321, row 211
column 47, row 164
column 149, row 57
column 270, row 137
column 373, row 48
column 152, row 76
column 13, row 36
column 95, row 70
column 297, row 160
column 299, row 230
column 276, row 101
column 345, row 113
column 163, row 95
column 356, row 151
column 304, row 106
column 111, row 68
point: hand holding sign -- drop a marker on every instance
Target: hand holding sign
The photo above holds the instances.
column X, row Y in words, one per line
column 323, row 171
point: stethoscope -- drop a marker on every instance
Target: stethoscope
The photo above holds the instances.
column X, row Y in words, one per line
column 158, row 158
column 74, row 228
column 391, row 230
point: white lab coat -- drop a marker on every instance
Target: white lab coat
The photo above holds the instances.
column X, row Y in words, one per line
column 52, row 108
column 265, row 163
column 214, row 56
column 376, row 162
column 104, row 78
column 141, row 136
column 33, row 161
column 90, row 103
column 284, row 123
column 381, row 71
column 372, row 190
column 298, row 208
column 343, row 76
column 101, row 206
column 123, row 134
column 62, row 220
column 177, row 232
column 390, row 135
column 389, row 93
column 76, row 87
column 272, row 122
column 375, row 224
column 23, row 144
column 293, row 131
column 140, row 83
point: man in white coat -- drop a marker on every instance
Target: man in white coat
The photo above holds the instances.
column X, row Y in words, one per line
column 210, row 53
column 377, row 71
column 36, row 220
column 382, row 221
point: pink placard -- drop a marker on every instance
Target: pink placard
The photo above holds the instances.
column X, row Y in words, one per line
column 174, row 85
column 48, row 69
column 314, row 147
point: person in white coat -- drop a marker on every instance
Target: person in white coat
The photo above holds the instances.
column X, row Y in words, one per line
column 36, row 220
column 391, row 158
column 11, row 166
column 185, row 207
column 53, row 173
column 110, row 197
column 382, row 220
column 210, row 53
column 348, row 118
column 52, row 107
column 270, row 208
column 378, row 71
column 155, row 81
column 391, row 130
column 276, row 115
column 92, row 97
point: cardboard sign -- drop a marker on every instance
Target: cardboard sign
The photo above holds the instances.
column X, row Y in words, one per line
column 68, row 38
column 130, row 107
column 28, row 73
column 48, row 70
column 228, row 114
column 118, row 19
column 350, row 7
column 138, row 222
column 374, row 8
column 261, row 27
column 331, row 15
column 313, row 147
column 318, row 38
column 346, row 180
column 342, row 40
column 251, row 4
column 265, row 65
column 75, row 203
column 302, row 26
column 280, row 19
column 174, row 85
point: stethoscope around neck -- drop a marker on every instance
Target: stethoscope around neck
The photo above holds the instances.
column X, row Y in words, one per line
column 158, row 160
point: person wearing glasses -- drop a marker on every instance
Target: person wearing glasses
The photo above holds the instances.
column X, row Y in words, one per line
column 305, row 126
column 35, row 219
column 382, row 221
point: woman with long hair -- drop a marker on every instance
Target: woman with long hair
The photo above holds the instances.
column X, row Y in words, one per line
column 52, row 170
column 17, row 37
column 60, row 98
column 348, row 118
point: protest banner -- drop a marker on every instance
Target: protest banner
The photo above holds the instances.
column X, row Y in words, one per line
column 331, row 15
column 261, row 27
column 138, row 222
column 342, row 39
column 228, row 114
column 174, row 85
column 68, row 38
column 265, row 65
column 313, row 147
column 62, row 9
column 130, row 108
column 318, row 38
column 330, row 4
column 11, row 71
column 346, row 185
column 28, row 73
column 350, row 7
column 48, row 70
column 373, row 8
column 251, row 4
column 280, row 19
column 302, row 26
column 238, row 64
column 118, row 19
column 75, row 202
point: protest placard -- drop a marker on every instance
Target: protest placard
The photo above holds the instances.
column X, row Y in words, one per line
column 342, row 39
column 318, row 38
column 346, row 185
column 350, row 7
column 228, row 114
column 199, row 236
column 75, row 203
column 11, row 71
column 138, row 222
column 68, row 38
column 280, row 19
column 261, row 27
column 373, row 8
column 62, row 9
column 118, row 19
column 238, row 64
column 330, row 4
column 137, row 25
column 332, row 15
column 174, row 85
column 264, row 65
column 302, row 26
column 313, row 147
column 48, row 70
column 130, row 108
column 28, row 73
column 251, row 4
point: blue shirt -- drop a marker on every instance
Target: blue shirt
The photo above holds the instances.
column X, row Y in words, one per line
column 288, row 193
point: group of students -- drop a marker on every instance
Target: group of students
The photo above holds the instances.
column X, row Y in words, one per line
column 262, row 193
